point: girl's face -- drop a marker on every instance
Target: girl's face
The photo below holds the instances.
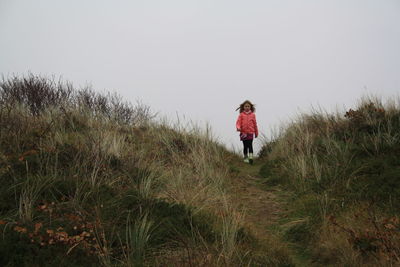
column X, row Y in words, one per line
column 247, row 107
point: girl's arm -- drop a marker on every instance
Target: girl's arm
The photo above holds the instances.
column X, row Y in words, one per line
column 239, row 123
column 255, row 125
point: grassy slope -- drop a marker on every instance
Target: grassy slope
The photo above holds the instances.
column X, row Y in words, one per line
column 89, row 180
column 340, row 178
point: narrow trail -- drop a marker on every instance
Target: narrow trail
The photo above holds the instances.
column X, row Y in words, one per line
column 261, row 207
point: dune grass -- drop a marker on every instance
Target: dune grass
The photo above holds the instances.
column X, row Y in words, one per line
column 90, row 180
column 342, row 172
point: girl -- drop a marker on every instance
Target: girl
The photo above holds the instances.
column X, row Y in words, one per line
column 246, row 124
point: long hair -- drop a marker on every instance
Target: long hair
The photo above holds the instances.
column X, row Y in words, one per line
column 241, row 107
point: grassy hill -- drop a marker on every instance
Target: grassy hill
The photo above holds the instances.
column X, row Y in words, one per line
column 341, row 173
column 90, row 180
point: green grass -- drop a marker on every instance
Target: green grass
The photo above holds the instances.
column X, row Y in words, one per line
column 330, row 165
column 88, row 179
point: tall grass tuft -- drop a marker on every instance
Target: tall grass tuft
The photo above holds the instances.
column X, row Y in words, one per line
column 30, row 191
column 231, row 225
column 138, row 236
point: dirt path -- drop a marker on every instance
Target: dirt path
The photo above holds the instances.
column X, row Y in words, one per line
column 260, row 206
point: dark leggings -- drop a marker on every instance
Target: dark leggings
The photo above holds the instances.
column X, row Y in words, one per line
column 247, row 146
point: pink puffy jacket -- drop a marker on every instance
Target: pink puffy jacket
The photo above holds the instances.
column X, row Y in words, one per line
column 246, row 123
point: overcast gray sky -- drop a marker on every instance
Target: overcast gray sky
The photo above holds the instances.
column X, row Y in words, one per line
column 201, row 59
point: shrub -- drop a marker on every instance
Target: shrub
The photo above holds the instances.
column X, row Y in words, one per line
column 38, row 93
